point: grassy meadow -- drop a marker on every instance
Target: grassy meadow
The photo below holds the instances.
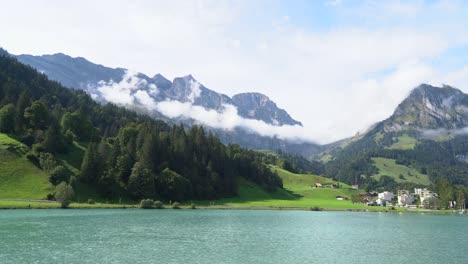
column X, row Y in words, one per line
column 388, row 167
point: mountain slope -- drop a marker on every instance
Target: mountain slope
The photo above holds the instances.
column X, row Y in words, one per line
column 426, row 133
column 122, row 153
column 19, row 178
column 141, row 93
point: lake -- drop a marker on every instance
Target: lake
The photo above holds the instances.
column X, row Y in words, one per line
column 229, row 236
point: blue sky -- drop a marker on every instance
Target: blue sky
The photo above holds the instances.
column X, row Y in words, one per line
column 337, row 65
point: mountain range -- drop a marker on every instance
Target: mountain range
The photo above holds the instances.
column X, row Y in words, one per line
column 102, row 82
column 423, row 141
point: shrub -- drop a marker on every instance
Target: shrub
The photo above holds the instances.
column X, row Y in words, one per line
column 176, row 205
column 33, row 158
column 50, row 197
column 91, row 201
column 59, row 174
column 146, row 204
column 158, row 205
column 316, row 208
column 63, row 194
column 47, row 161
column 193, row 206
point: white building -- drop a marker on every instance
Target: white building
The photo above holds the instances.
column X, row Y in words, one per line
column 405, row 199
column 424, row 193
column 388, row 196
column 384, row 198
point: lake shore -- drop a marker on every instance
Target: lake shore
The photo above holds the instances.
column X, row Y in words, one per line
column 43, row 204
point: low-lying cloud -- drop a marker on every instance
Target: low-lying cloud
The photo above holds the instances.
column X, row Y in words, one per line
column 228, row 119
column 441, row 132
column 133, row 90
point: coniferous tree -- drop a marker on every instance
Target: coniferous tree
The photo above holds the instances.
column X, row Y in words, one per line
column 90, row 168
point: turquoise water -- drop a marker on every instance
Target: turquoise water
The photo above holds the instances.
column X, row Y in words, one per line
column 209, row 236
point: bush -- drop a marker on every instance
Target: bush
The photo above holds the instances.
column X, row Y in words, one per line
column 193, row 206
column 91, row 201
column 316, row 208
column 47, row 161
column 50, row 197
column 176, row 205
column 146, row 204
column 63, row 194
column 59, row 174
column 33, row 158
column 158, row 205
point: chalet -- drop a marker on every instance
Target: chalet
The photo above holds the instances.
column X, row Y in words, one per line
column 341, row 198
column 318, row 185
column 355, row 186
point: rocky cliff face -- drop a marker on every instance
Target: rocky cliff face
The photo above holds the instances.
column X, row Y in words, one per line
column 429, row 107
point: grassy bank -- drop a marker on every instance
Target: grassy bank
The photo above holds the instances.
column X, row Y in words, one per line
column 37, row 204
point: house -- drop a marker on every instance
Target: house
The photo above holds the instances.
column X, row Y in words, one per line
column 403, row 192
column 318, row 185
column 405, row 200
column 355, row 186
column 331, row 186
column 424, row 194
column 384, row 198
column 341, row 198
column 387, row 196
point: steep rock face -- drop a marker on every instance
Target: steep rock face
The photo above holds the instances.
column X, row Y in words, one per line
column 260, row 107
column 429, row 107
column 187, row 89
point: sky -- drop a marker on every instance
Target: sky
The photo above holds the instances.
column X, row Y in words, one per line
column 338, row 66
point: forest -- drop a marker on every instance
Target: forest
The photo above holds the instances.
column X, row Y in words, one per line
column 126, row 153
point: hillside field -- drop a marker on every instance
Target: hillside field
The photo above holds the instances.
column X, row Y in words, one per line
column 19, row 178
column 388, row 167
column 297, row 193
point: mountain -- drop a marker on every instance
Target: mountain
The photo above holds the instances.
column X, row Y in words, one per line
column 260, row 107
column 53, row 136
column 429, row 107
column 79, row 73
column 425, row 140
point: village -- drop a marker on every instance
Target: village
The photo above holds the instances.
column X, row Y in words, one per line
column 420, row 198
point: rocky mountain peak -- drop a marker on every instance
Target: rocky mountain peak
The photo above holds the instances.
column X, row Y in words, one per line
column 259, row 106
column 431, row 107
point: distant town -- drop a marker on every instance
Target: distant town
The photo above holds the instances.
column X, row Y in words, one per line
column 420, row 198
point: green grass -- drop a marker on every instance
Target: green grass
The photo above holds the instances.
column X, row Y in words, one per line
column 73, row 158
column 26, row 204
column 19, row 178
column 404, row 142
column 388, row 167
column 297, row 193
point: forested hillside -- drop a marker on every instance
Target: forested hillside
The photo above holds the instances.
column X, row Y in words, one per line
column 436, row 160
column 116, row 151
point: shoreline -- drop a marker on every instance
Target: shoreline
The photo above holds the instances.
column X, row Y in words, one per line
column 40, row 204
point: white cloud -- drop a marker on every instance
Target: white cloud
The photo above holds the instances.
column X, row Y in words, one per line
column 125, row 92
column 337, row 79
column 228, row 119
column 195, row 90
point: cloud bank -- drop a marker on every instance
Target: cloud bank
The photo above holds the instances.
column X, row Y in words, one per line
column 337, row 66
column 133, row 90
